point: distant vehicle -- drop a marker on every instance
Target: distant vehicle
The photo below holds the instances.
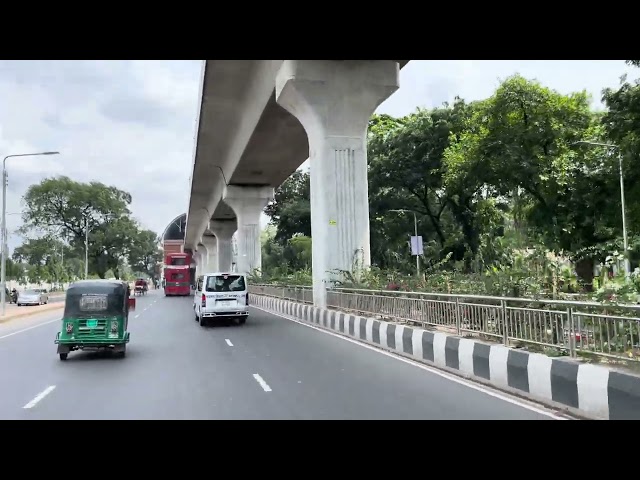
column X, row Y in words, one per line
column 44, row 292
column 141, row 286
column 34, row 296
column 177, row 274
column 96, row 316
column 221, row 295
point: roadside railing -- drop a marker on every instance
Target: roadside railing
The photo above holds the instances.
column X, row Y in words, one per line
column 574, row 328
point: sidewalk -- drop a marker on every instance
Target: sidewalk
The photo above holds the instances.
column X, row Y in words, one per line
column 13, row 311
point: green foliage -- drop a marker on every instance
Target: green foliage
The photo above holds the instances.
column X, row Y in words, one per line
column 60, row 215
column 293, row 254
column 145, row 253
column 291, row 208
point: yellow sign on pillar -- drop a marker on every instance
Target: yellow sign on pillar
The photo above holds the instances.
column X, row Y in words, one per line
column 333, row 223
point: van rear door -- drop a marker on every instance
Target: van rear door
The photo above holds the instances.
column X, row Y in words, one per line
column 225, row 293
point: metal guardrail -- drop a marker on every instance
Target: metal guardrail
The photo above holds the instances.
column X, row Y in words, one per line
column 603, row 330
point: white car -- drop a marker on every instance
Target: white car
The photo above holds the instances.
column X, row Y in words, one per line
column 221, row 295
column 32, row 297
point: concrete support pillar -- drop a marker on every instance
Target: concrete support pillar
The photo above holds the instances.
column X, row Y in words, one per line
column 248, row 203
column 204, row 256
column 197, row 257
column 223, row 230
column 211, row 244
column 334, row 100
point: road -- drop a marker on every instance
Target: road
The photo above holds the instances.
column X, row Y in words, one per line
column 270, row 368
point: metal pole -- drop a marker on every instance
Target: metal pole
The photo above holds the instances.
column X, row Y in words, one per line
column 61, row 280
column 3, row 273
column 627, row 266
column 3, row 278
column 86, row 248
column 415, row 225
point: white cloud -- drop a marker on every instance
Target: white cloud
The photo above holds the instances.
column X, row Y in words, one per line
column 429, row 83
column 124, row 123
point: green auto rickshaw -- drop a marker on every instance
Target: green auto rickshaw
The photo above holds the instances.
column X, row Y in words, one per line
column 96, row 316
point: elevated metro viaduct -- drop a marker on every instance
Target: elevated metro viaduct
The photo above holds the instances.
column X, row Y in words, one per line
column 258, row 121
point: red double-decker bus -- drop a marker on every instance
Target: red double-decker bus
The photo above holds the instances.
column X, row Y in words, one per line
column 177, row 274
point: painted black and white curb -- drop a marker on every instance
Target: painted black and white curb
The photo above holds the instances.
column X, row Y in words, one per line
column 589, row 389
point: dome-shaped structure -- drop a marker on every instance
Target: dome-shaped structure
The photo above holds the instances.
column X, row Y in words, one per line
column 176, row 229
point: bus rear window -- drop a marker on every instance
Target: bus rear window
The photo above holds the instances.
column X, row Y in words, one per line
column 177, row 276
column 178, row 261
column 226, row 283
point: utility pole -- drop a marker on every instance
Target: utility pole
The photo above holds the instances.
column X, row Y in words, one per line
column 415, row 225
column 86, row 248
column 3, row 269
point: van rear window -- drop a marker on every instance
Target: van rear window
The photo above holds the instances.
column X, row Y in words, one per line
column 226, row 283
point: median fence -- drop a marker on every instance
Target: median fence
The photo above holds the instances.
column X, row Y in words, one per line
column 428, row 327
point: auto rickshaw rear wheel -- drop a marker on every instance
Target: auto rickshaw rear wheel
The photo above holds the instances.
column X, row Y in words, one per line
column 242, row 320
column 63, row 356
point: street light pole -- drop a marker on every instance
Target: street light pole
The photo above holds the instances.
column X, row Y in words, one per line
column 625, row 242
column 627, row 264
column 415, row 227
column 86, row 248
column 3, row 269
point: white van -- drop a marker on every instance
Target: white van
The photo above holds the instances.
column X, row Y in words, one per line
column 221, row 295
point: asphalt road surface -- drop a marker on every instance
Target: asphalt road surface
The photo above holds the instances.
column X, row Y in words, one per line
column 269, row 368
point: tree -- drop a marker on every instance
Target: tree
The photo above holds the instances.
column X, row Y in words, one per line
column 406, row 171
column 36, row 251
column 522, row 145
column 14, row 270
column 81, row 210
column 298, row 252
column 145, row 253
column 46, row 255
column 290, row 209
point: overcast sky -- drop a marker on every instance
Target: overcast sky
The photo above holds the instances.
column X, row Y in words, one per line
column 132, row 123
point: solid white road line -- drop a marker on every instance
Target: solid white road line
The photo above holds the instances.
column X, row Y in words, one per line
column 228, row 342
column 40, row 396
column 448, row 376
column 262, row 383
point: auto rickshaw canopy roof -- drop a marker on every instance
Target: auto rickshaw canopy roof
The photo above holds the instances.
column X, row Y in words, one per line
column 89, row 298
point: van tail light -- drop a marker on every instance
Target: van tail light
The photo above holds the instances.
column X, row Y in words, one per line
column 204, row 300
column 246, row 301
